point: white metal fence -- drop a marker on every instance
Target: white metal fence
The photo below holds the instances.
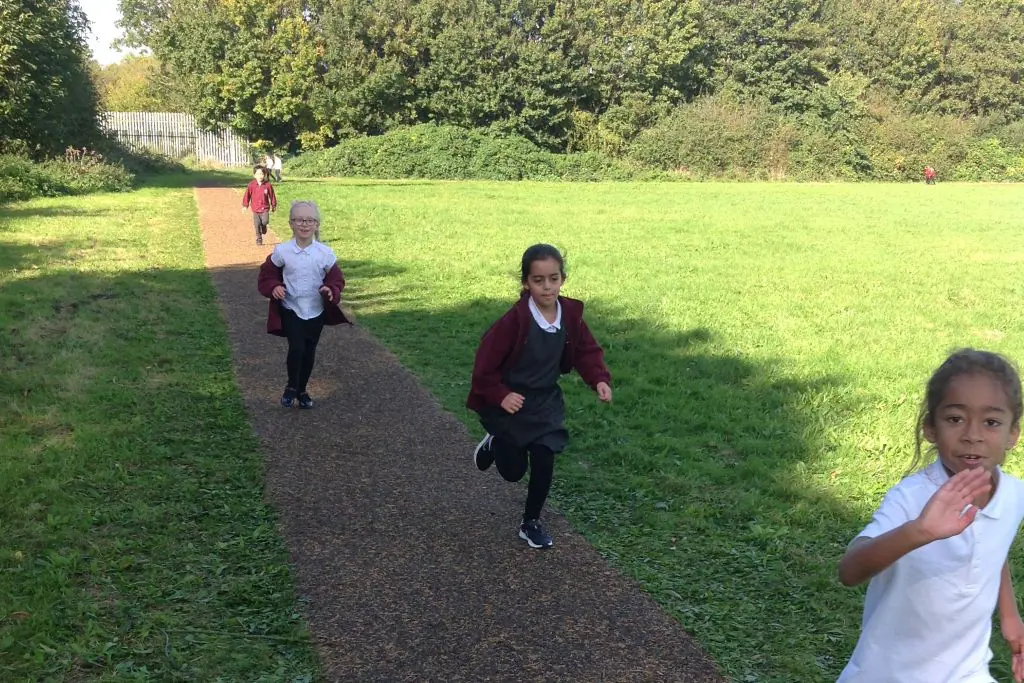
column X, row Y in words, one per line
column 177, row 136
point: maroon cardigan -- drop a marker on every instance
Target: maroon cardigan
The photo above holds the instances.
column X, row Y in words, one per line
column 271, row 277
column 501, row 346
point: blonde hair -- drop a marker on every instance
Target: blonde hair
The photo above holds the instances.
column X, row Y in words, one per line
column 308, row 203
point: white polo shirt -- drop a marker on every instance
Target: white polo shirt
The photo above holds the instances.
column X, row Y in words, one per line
column 928, row 617
column 303, row 271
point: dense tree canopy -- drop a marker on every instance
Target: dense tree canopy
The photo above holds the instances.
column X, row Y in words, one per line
column 47, row 100
column 562, row 72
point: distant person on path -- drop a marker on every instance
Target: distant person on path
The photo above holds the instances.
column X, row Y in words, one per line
column 515, row 382
column 935, row 552
column 303, row 282
column 277, row 167
column 929, row 175
column 259, row 197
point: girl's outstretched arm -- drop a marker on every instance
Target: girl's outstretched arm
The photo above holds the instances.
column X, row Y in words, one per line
column 1010, row 622
column 947, row 513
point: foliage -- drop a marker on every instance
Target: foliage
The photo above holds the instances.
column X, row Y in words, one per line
column 137, row 83
column 452, row 153
column 47, row 99
column 79, row 171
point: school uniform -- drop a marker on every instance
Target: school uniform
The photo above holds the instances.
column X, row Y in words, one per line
column 260, row 199
column 928, row 616
column 302, row 314
column 525, row 354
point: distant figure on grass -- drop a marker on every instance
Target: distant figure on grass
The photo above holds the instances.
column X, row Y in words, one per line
column 936, row 550
column 303, row 282
column 515, row 382
column 929, row 175
column 260, row 198
column 277, row 167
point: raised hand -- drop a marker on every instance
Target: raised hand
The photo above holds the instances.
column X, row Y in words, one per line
column 950, row 509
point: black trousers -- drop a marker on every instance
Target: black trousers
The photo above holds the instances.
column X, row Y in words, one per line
column 512, row 463
column 303, row 336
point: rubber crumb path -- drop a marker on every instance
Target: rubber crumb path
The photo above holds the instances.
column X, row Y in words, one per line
column 406, row 556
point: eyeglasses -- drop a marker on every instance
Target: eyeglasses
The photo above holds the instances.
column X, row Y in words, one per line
column 304, row 221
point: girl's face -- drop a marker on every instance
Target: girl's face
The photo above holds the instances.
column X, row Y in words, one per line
column 973, row 425
column 545, row 281
column 303, row 222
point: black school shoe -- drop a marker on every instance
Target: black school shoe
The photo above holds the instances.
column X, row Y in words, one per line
column 533, row 533
column 483, row 456
column 288, row 397
column 305, row 401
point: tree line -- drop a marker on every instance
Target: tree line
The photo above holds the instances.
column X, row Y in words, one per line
column 571, row 74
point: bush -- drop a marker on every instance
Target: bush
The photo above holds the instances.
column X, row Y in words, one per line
column 713, row 137
column 453, row 153
column 79, row 172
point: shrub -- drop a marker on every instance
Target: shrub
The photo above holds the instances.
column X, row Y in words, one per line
column 453, row 153
column 711, row 137
column 81, row 171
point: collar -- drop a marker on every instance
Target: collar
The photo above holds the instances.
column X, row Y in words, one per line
column 298, row 249
column 541, row 321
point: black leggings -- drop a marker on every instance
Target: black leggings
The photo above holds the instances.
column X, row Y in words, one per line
column 512, row 463
column 303, row 336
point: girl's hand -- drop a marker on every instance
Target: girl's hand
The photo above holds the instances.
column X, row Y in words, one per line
column 278, row 292
column 512, row 403
column 951, row 509
column 326, row 291
column 1013, row 632
column 604, row 392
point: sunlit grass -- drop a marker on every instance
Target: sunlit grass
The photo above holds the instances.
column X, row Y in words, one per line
column 769, row 345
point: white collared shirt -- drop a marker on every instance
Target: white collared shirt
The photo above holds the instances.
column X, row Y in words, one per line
column 928, row 617
column 542, row 322
column 303, row 271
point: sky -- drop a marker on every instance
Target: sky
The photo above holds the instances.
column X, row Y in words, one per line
column 103, row 16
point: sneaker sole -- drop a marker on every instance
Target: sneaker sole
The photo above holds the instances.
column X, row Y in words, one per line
column 476, row 452
column 530, row 543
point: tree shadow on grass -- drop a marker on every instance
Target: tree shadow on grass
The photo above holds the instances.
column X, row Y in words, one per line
column 699, row 480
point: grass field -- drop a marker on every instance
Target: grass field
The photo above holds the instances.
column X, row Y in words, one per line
column 769, row 344
column 135, row 543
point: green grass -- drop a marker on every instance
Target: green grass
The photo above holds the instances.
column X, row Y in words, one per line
column 135, row 543
column 769, row 345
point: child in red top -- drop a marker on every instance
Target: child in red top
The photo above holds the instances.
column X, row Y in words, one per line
column 260, row 197
column 929, row 175
column 515, row 382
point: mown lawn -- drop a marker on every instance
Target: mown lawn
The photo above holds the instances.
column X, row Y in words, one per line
column 135, row 543
column 769, row 343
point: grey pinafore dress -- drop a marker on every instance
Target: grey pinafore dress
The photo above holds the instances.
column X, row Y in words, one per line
column 535, row 376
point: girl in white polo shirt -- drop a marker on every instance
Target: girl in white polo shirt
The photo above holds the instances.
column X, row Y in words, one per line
column 936, row 550
column 303, row 282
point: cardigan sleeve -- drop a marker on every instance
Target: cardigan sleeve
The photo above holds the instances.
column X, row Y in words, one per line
column 270, row 277
column 589, row 359
column 495, row 348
